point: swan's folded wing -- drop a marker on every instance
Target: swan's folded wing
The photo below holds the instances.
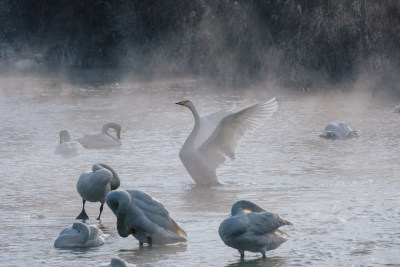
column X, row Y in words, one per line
column 152, row 209
column 226, row 136
column 265, row 222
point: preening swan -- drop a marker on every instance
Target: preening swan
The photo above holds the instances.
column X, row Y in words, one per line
column 254, row 231
column 103, row 139
column 68, row 147
column 94, row 186
column 338, row 131
column 80, row 235
column 145, row 218
column 116, row 262
column 216, row 136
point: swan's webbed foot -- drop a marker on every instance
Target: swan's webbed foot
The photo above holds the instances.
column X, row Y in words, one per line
column 149, row 241
column 83, row 215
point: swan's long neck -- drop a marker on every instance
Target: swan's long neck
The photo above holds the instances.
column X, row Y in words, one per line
column 195, row 131
column 242, row 205
column 65, row 136
column 83, row 230
column 111, row 125
column 115, row 181
column 119, row 202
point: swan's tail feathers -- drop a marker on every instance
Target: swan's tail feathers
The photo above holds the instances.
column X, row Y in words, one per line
column 178, row 229
column 82, row 216
column 282, row 232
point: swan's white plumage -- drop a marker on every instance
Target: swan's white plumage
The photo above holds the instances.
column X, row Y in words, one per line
column 103, row 139
column 338, row 131
column 68, row 147
column 255, row 231
column 94, row 185
column 144, row 217
column 80, row 235
column 217, row 136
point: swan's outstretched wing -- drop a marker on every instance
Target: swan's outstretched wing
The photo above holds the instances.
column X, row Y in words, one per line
column 226, row 136
column 208, row 124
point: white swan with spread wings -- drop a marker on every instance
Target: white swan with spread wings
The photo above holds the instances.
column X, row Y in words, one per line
column 216, row 136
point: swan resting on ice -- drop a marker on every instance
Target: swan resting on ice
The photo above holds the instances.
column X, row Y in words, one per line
column 217, row 136
column 255, row 231
column 80, row 235
column 339, row 131
column 94, row 186
column 68, row 147
column 103, row 139
column 144, row 217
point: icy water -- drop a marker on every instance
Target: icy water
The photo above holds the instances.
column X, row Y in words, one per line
column 343, row 197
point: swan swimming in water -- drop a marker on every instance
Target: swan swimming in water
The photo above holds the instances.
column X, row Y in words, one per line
column 338, row 131
column 216, row 136
column 254, row 231
column 94, row 186
column 103, row 139
column 145, row 218
column 68, row 147
column 80, row 235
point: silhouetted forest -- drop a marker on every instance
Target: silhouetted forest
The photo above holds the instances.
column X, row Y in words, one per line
column 297, row 43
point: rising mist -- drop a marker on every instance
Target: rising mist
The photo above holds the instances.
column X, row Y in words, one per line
column 305, row 45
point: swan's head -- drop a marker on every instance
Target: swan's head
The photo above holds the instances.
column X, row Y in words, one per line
column 184, row 103
column 64, row 136
column 117, row 128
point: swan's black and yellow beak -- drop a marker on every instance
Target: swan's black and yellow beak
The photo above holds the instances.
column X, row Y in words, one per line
column 181, row 103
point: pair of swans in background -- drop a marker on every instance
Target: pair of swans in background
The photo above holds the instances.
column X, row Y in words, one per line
column 101, row 140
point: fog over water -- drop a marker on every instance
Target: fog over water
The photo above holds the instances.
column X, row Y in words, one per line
column 342, row 196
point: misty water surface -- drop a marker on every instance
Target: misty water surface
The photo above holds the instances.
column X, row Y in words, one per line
column 341, row 196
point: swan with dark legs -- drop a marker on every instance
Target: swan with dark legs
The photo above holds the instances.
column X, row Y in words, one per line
column 103, row 139
column 339, row 131
column 94, row 186
column 217, row 136
column 145, row 218
column 80, row 235
column 255, row 231
column 68, row 147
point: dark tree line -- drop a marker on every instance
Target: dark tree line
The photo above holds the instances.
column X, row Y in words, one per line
column 293, row 42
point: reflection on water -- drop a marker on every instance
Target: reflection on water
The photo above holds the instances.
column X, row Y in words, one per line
column 341, row 196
